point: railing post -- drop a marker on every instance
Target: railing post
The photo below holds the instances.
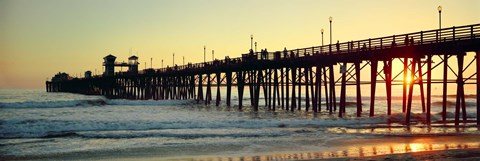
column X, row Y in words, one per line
column 330, row 49
column 421, row 37
column 436, row 36
column 381, row 43
column 471, row 32
column 369, row 44
column 453, row 33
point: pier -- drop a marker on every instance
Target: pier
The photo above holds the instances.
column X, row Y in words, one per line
column 287, row 78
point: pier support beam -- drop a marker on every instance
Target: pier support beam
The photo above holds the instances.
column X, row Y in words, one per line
column 343, row 98
column 388, row 83
column 200, row 88
column 373, row 84
column 307, row 85
column 444, row 96
column 294, row 80
column 257, row 90
column 240, row 87
column 460, row 92
column 327, row 101
column 217, row 100
column 229, row 87
column 410, row 92
column 317, row 103
column 300, row 74
column 333, row 101
column 359, row 93
column 282, row 85
column 429, row 88
column 275, row 88
column 208, row 95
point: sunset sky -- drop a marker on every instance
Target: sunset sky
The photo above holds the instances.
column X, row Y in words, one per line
column 39, row 38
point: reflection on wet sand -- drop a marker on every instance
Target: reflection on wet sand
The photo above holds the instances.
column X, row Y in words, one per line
column 354, row 151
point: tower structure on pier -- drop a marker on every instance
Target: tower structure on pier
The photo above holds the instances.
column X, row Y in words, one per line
column 133, row 64
column 109, row 63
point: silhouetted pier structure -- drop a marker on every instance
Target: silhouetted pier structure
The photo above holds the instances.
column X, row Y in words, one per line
column 282, row 75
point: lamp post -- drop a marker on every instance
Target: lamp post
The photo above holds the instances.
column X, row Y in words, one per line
column 173, row 59
column 151, row 62
column 183, row 60
column 440, row 19
column 251, row 42
column 162, row 63
column 322, row 35
column 213, row 55
column 255, row 47
column 330, row 19
column 204, row 54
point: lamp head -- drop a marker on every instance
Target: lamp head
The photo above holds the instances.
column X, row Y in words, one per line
column 439, row 9
column 321, row 30
column 330, row 18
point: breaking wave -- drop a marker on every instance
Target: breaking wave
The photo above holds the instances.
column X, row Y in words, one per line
column 88, row 103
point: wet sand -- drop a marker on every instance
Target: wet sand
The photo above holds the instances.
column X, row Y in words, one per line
column 453, row 154
column 450, row 147
column 385, row 148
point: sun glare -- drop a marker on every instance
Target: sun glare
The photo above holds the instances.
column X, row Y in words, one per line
column 408, row 79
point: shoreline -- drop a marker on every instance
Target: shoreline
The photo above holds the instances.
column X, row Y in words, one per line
column 377, row 148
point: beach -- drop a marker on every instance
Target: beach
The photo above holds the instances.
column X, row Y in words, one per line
column 464, row 147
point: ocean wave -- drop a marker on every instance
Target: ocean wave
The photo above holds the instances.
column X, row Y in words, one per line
column 53, row 104
column 147, row 102
column 54, row 128
column 453, row 103
column 88, row 103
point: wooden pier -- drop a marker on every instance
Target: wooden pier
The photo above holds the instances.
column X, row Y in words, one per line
column 290, row 79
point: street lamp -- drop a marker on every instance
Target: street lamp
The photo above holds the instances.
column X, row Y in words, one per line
column 322, row 35
column 204, row 54
column 255, row 47
column 440, row 19
column 251, row 42
column 330, row 19
column 162, row 63
column 183, row 60
column 173, row 59
column 213, row 55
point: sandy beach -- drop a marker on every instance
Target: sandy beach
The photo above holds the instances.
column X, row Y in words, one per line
column 456, row 147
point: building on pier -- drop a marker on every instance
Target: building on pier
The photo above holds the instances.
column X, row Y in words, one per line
column 110, row 64
column 133, row 64
column 61, row 77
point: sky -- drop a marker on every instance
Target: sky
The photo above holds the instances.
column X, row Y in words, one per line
column 41, row 38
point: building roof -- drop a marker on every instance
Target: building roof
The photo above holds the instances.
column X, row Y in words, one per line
column 133, row 57
column 109, row 56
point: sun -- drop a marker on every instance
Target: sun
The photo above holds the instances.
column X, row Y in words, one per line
column 408, row 79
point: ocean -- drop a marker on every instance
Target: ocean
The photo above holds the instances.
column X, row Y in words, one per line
column 35, row 124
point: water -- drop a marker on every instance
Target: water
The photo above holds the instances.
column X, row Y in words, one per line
column 36, row 124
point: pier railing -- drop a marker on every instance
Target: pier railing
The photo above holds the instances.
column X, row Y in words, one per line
column 419, row 38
